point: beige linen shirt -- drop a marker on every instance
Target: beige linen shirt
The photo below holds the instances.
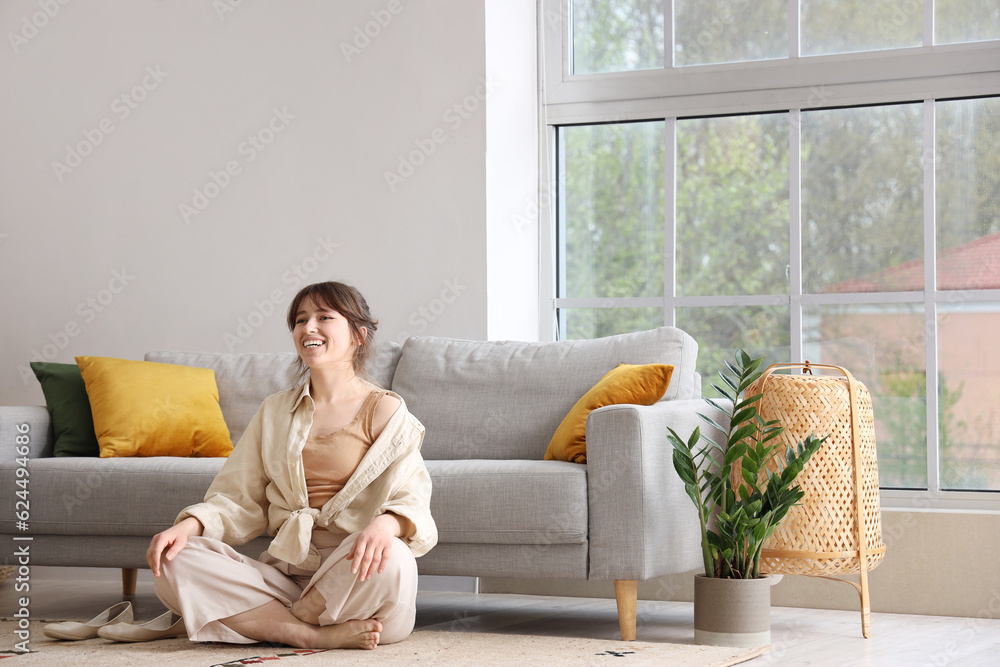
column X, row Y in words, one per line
column 262, row 484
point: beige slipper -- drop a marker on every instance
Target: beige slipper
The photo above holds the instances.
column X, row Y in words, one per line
column 164, row 626
column 119, row 613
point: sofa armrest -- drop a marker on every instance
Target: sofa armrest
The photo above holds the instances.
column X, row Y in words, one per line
column 642, row 523
column 39, row 431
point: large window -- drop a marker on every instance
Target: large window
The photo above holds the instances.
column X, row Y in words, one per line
column 806, row 179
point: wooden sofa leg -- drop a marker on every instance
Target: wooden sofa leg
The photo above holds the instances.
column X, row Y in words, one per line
column 626, row 593
column 129, row 576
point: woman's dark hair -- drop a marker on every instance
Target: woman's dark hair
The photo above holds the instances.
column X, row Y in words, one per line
column 347, row 301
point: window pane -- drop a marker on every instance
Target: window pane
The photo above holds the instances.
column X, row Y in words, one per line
column 617, row 35
column 732, row 205
column 883, row 347
column 844, row 26
column 862, row 199
column 969, row 396
column 613, row 210
column 966, row 20
column 601, row 322
column 968, row 194
column 723, row 31
column 720, row 331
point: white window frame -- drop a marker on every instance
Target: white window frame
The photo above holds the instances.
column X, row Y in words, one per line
column 920, row 74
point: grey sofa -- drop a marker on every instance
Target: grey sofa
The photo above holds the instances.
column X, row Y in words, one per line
column 489, row 409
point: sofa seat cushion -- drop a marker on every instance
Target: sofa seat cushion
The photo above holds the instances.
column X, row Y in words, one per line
column 111, row 496
column 473, row 502
column 509, row 502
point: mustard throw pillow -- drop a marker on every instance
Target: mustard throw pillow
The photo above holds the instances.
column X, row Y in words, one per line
column 142, row 408
column 641, row 385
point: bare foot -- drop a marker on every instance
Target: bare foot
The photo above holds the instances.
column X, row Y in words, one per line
column 308, row 608
column 350, row 634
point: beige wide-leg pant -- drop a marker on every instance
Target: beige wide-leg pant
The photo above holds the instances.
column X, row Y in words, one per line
column 209, row 580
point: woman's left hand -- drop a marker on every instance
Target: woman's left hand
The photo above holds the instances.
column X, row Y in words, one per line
column 371, row 549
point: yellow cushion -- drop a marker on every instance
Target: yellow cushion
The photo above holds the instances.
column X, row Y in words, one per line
column 142, row 408
column 641, row 385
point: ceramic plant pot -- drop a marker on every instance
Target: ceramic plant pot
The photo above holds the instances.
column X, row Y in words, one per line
column 732, row 612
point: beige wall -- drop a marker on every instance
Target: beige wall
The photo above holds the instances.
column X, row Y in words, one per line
column 937, row 563
column 97, row 256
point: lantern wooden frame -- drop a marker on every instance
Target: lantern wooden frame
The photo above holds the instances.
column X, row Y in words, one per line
column 836, row 528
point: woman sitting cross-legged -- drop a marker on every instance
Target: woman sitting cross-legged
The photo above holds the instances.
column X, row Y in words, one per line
column 332, row 469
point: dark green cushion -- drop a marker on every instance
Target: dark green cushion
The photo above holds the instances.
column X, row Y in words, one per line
column 66, row 399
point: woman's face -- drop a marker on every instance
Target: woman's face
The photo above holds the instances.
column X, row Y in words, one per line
column 322, row 336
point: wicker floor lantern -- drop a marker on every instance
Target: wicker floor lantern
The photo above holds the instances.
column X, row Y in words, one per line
column 836, row 529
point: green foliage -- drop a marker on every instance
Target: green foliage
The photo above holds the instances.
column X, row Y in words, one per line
column 719, row 31
column 902, row 412
column 746, row 513
column 617, row 36
column 614, row 210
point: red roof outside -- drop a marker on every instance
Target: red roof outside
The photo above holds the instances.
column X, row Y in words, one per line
column 974, row 265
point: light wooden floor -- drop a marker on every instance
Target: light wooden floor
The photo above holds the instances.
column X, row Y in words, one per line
column 798, row 636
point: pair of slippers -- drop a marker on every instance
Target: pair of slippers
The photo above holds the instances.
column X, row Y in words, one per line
column 115, row 623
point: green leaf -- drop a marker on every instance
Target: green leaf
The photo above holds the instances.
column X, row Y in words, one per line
column 735, row 452
column 712, row 423
column 714, row 404
column 744, row 415
column 749, row 380
column 747, row 401
column 732, row 384
column 729, row 393
column 744, row 432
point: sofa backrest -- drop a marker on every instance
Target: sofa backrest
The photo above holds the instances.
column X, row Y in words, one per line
column 505, row 399
column 246, row 379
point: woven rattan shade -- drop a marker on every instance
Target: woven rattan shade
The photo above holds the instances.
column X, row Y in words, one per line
column 821, row 536
column 825, row 523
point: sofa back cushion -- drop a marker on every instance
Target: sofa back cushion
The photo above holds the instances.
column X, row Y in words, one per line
column 505, row 399
column 246, row 379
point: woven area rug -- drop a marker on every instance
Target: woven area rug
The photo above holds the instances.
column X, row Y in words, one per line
column 423, row 647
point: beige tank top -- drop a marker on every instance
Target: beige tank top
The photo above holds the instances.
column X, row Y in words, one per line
column 330, row 459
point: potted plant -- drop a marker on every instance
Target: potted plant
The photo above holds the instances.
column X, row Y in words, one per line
column 742, row 489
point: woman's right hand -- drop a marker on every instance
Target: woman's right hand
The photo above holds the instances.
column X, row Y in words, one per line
column 172, row 540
